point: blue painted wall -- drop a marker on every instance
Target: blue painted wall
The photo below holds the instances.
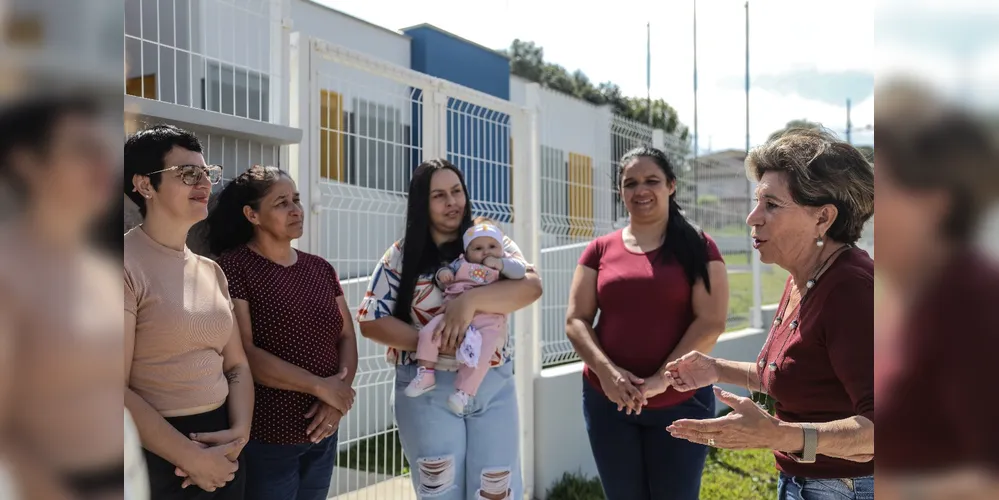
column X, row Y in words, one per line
column 478, row 138
column 438, row 53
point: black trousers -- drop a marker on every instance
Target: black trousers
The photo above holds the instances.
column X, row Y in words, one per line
column 164, row 484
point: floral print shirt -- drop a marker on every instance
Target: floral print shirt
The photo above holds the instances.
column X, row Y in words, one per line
column 428, row 299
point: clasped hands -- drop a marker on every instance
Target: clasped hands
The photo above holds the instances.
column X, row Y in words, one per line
column 629, row 391
column 217, row 453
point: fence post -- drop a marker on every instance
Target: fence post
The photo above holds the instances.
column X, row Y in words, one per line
column 301, row 101
column 756, row 315
column 526, row 228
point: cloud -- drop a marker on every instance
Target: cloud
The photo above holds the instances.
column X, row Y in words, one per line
column 829, row 87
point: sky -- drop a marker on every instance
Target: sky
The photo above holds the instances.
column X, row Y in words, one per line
column 802, row 65
column 806, row 57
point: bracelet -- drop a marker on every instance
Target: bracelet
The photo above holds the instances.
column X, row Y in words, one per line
column 808, row 452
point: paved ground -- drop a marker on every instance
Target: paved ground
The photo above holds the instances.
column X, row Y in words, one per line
column 349, row 484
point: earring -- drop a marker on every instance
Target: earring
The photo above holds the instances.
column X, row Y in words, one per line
column 149, row 196
column 818, row 242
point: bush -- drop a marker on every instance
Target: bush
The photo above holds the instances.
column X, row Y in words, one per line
column 576, row 486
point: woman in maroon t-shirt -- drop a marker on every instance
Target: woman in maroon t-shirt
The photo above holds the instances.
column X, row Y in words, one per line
column 296, row 331
column 662, row 290
column 938, row 173
column 815, row 195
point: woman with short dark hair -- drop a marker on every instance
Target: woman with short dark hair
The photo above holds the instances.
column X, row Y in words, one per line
column 187, row 382
column 815, row 194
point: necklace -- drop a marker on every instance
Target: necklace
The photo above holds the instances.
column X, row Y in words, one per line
column 774, row 365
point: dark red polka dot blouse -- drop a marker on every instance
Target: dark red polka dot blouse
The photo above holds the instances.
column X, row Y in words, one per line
column 294, row 315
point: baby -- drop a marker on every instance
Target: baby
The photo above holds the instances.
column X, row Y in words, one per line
column 483, row 262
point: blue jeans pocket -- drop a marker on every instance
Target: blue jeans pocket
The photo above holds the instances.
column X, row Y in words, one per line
column 828, row 489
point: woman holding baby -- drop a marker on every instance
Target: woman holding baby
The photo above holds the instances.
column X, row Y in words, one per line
column 457, row 414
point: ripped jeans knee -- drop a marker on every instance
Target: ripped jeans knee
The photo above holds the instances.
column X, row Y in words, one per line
column 436, row 476
column 495, row 484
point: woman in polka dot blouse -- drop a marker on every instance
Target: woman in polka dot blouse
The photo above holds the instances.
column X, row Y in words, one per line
column 296, row 331
column 454, row 457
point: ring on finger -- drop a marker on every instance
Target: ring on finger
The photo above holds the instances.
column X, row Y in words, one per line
column 711, row 441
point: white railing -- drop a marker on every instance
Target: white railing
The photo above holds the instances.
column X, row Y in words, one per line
column 367, row 124
column 224, row 56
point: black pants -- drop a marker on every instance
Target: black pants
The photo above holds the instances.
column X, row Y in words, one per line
column 164, row 484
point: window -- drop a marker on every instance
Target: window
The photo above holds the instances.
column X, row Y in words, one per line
column 367, row 147
column 580, row 195
column 142, row 86
column 554, row 202
column 380, row 146
column 236, row 91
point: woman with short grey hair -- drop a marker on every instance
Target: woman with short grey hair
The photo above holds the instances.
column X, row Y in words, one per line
column 815, row 195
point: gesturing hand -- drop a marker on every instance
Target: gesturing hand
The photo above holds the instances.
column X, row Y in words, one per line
column 335, row 392
column 692, row 371
column 621, row 387
column 746, row 427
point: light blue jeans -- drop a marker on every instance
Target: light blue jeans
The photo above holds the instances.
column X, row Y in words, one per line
column 800, row 488
column 454, row 457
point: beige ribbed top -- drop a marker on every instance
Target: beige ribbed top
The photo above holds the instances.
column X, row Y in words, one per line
column 183, row 319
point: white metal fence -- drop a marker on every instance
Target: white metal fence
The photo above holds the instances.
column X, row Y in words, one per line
column 215, row 55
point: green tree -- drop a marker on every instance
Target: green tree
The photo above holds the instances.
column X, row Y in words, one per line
column 866, row 150
column 527, row 60
column 793, row 124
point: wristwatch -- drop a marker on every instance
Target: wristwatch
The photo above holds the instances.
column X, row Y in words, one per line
column 807, row 455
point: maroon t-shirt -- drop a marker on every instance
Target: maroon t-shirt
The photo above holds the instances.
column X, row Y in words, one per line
column 295, row 317
column 645, row 308
column 826, row 363
column 937, row 405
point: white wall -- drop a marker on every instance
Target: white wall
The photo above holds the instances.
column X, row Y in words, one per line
column 314, row 20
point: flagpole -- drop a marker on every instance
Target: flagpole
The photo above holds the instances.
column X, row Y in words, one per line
column 756, row 316
column 697, row 150
column 648, row 68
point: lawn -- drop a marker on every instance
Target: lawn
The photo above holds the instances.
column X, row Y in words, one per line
column 728, row 475
column 740, row 285
column 381, row 453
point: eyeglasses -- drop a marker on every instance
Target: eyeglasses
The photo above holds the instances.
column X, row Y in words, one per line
column 192, row 174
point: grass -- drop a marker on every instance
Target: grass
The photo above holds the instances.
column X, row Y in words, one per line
column 381, row 453
column 740, row 301
column 728, row 475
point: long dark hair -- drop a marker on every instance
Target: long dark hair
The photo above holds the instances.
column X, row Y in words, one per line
column 684, row 242
column 226, row 224
column 419, row 253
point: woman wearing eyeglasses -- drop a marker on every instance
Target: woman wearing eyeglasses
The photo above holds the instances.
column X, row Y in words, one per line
column 187, row 382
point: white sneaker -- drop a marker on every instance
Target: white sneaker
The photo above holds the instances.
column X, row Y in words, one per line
column 422, row 383
column 457, row 402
